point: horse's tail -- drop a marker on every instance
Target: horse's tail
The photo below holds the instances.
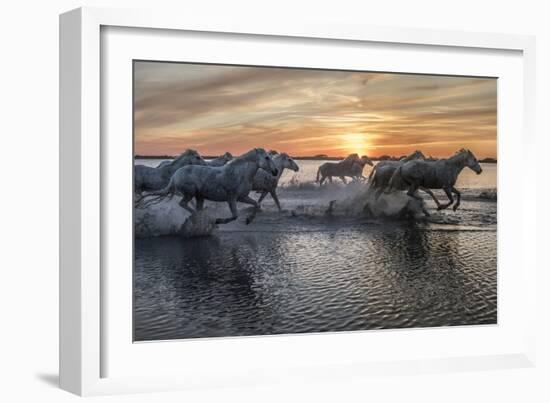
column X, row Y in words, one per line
column 157, row 196
column 318, row 173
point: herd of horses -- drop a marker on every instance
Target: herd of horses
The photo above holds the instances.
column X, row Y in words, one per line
column 231, row 179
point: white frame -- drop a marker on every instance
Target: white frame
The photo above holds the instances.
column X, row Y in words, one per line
column 80, row 184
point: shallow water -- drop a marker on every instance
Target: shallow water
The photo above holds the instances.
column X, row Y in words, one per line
column 303, row 271
column 352, row 278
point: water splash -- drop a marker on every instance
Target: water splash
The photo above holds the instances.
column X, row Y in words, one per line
column 396, row 205
column 164, row 218
column 198, row 224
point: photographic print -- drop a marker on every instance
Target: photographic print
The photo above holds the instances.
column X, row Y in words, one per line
column 275, row 200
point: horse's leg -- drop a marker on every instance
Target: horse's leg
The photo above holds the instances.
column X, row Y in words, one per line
column 451, row 200
column 457, row 193
column 262, row 196
column 234, row 214
column 322, row 180
column 330, row 179
column 186, row 199
column 412, row 192
column 249, row 200
column 276, row 199
column 200, row 203
column 344, row 180
column 431, row 194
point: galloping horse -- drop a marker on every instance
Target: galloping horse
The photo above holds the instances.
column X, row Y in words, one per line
column 440, row 174
column 266, row 183
column 149, row 179
column 231, row 183
column 339, row 169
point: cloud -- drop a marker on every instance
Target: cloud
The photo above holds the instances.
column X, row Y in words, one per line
column 218, row 108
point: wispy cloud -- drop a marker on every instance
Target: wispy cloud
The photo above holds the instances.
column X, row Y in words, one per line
column 233, row 108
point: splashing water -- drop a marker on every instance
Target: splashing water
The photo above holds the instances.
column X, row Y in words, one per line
column 164, row 218
column 198, row 224
column 387, row 205
column 354, row 200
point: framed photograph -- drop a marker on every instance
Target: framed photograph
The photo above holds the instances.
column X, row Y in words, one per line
column 250, row 203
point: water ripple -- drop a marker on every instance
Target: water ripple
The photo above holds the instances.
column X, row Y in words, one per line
column 351, row 278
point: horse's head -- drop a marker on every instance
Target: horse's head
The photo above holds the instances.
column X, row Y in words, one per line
column 287, row 162
column 227, row 156
column 351, row 159
column 190, row 157
column 471, row 161
column 366, row 160
column 265, row 162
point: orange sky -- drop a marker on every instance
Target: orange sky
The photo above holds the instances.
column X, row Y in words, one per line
column 214, row 109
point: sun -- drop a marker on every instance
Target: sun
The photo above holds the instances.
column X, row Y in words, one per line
column 356, row 143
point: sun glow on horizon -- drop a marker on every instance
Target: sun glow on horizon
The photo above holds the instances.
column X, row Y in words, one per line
column 219, row 108
column 355, row 143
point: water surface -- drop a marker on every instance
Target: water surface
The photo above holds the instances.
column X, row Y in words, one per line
column 300, row 271
column 288, row 273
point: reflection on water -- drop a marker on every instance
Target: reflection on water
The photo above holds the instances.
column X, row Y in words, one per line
column 351, row 277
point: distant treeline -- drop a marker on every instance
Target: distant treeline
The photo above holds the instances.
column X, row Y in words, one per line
column 322, row 157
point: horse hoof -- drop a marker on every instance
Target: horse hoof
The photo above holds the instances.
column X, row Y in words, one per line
column 454, row 208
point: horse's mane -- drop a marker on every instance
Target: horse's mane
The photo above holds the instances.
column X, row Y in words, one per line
column 461, row 154
column 462, row 150
column 187, row 153
column 248, row 156
column 413, row 154
column 362, row 161
column 279, row 156
column 352, row 157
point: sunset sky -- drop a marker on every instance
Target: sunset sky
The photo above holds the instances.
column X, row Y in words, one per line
column 306, row 112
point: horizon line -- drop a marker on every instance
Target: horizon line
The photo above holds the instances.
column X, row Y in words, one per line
column 317, row 156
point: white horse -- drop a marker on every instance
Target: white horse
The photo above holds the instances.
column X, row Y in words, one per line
column 230, row 183
column 266, row 183
column 439, row 174
column 149, row 178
